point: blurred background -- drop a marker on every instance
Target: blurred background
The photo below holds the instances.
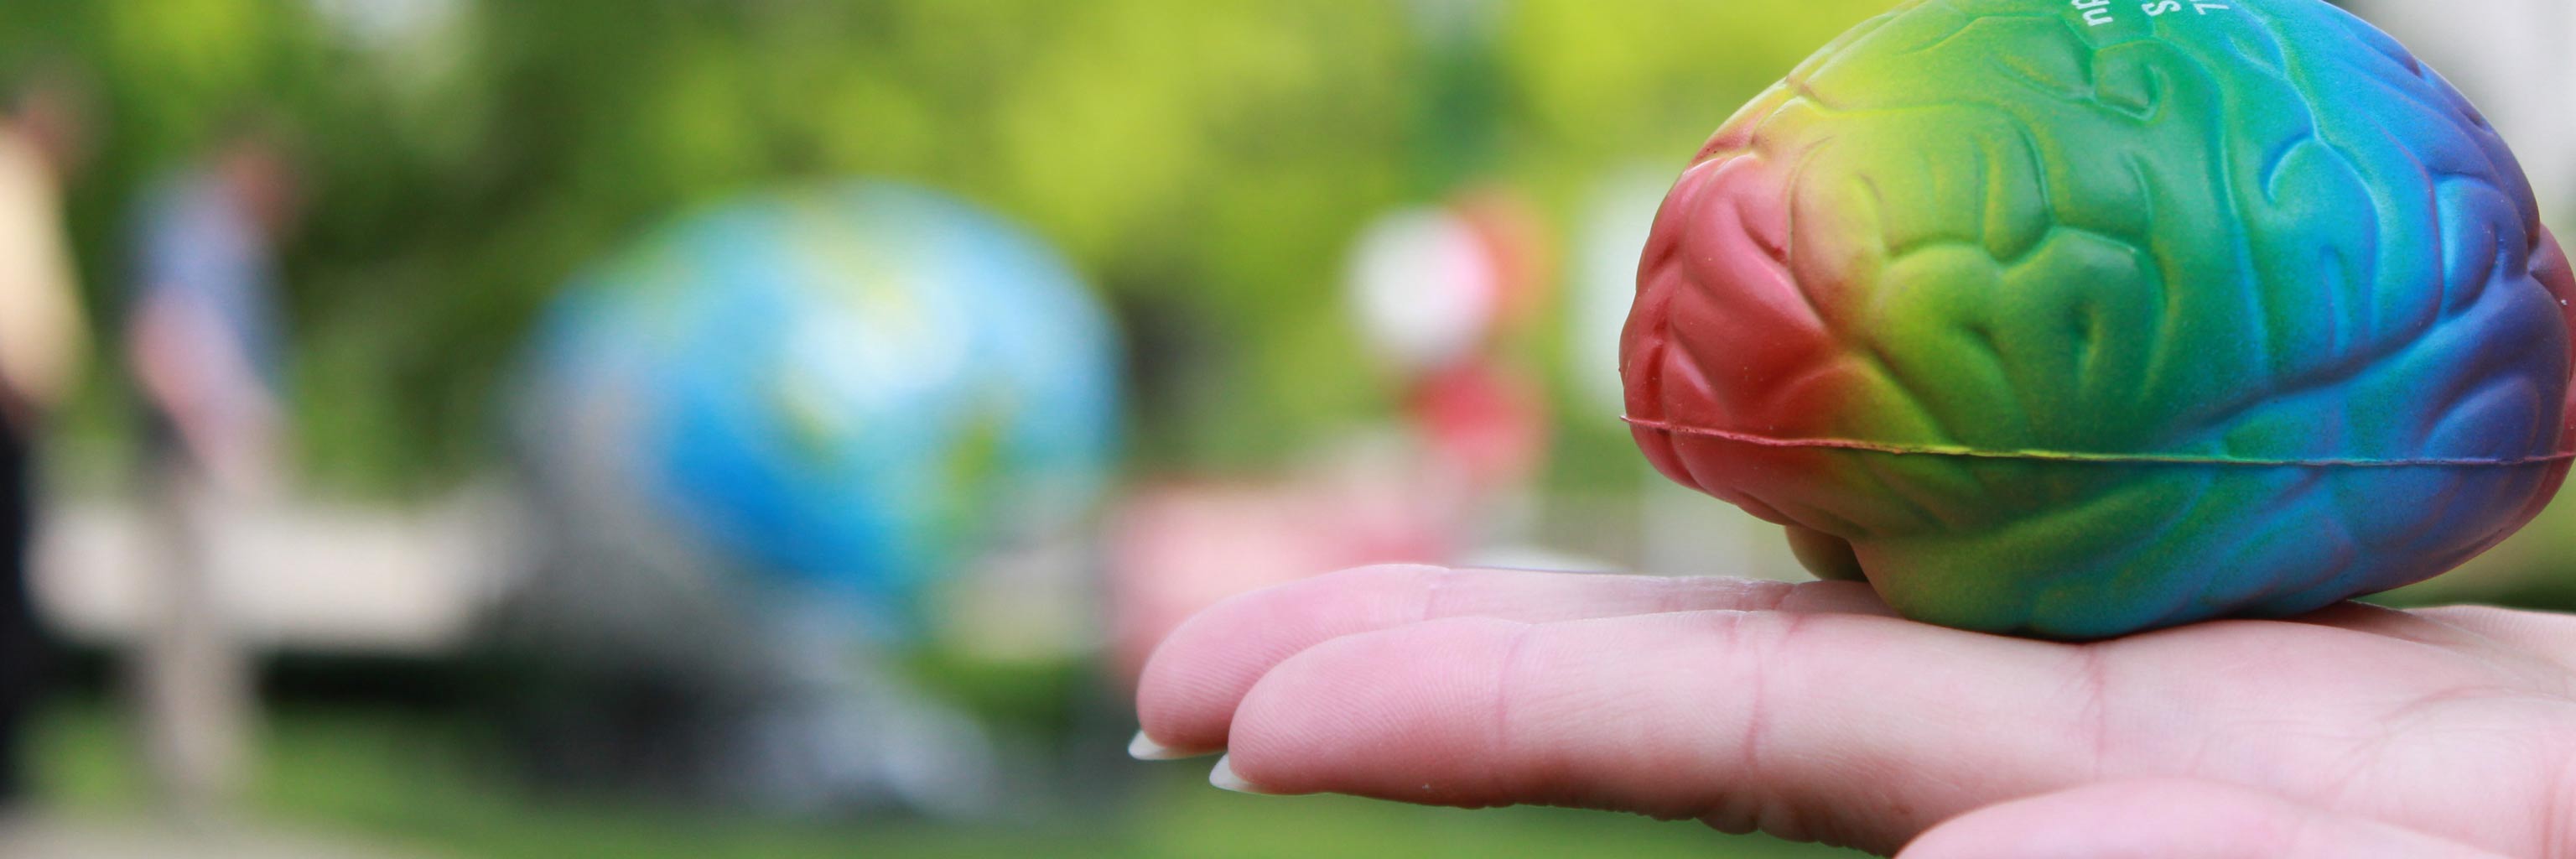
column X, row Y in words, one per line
column 462, row 428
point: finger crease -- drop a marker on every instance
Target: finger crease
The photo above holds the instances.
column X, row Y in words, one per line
column 2092, row 674
column 2557, row 841
column 1503, row 736
column 1775, row 596
column 1757, row 709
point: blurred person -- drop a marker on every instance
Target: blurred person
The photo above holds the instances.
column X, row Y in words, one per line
column 201, row 329
column 1812, row 712
column 201, row 337
column 42, row 341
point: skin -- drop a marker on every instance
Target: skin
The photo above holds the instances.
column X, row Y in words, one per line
column 1811, row 712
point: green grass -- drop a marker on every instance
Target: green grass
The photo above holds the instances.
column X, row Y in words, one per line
column 421, row 782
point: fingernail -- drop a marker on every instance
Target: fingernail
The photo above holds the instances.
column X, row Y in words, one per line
column 1224, row 778
column 1144, row 748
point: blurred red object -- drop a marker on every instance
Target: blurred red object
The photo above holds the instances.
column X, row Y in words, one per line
column 1477, row 431
column 1178, row 548
column 1438, row 291
column 1516, row 240
column 1484, row 422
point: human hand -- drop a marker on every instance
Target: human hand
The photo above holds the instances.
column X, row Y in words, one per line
column 1811, row 712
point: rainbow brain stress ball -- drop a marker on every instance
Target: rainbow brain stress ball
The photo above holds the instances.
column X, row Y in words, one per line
column 2074, row 319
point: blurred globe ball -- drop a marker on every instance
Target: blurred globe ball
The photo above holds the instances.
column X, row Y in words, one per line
column 843, row 392
column 2077, row 319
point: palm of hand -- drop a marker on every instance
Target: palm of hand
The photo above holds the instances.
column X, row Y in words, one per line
column 1810, row 712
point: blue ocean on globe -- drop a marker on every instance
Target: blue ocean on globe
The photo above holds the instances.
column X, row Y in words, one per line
column 841, row 392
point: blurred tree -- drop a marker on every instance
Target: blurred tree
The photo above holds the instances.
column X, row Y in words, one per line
column 1207, row 163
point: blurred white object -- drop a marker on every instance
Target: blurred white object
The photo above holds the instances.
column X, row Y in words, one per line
column 1424, row 287
column 1616, row 220
column 192, row 583
column 2511, row 57
column 387, row 24
column 290, row 575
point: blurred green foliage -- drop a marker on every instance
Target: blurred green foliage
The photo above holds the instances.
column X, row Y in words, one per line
column 420, row 782
column 1205, row 163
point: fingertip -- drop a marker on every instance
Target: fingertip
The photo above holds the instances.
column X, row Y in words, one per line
column 1377, row 714
column 1224, row 777
column 1195, row 678
column 1144, row 748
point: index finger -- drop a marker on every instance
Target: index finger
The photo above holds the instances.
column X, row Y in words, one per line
column 1863, row 730
column 1187, row 695
column 1847, row 729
